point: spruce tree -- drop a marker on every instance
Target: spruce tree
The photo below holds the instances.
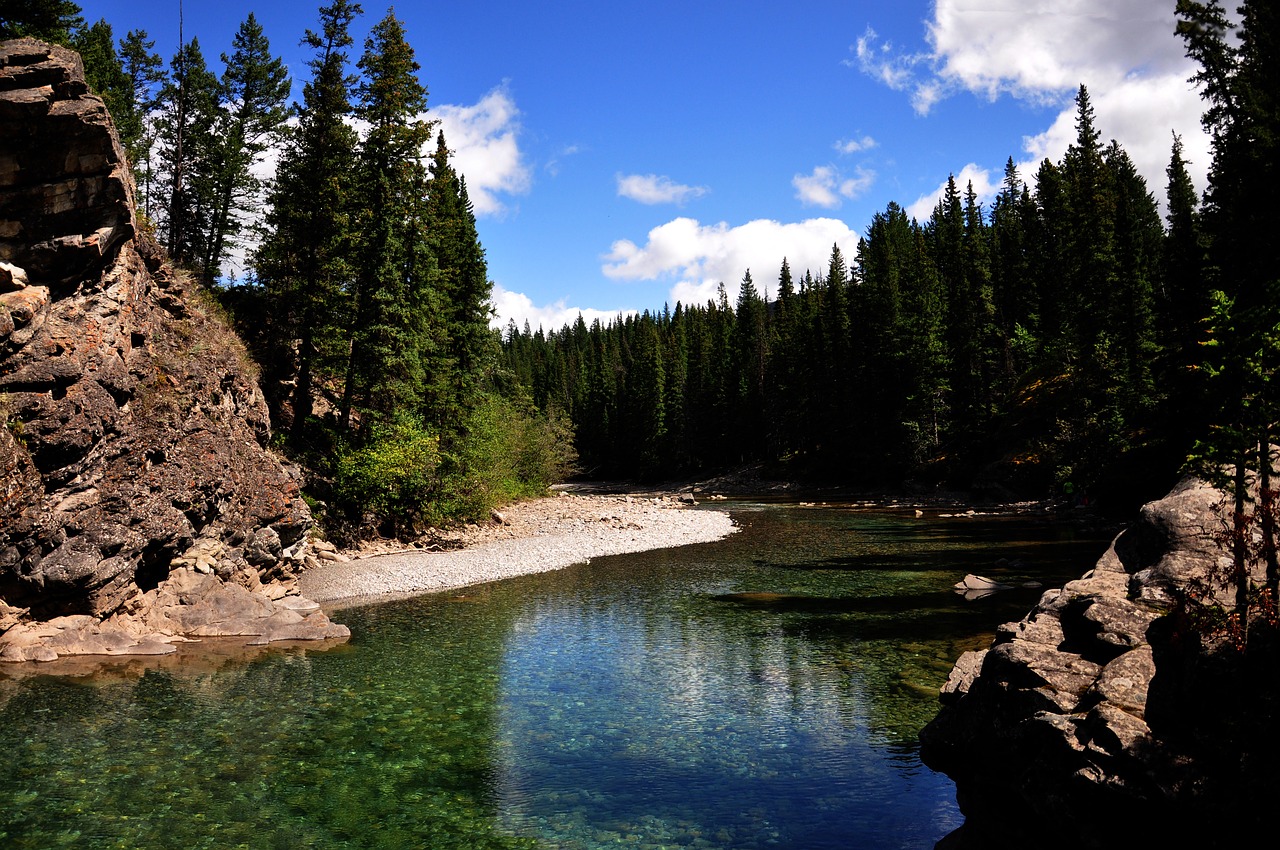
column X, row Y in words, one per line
column 188, row 103
column 145, row 72
column 1240, row 81
column 394, row 309
column 49, row 20
column 304, row 262
column 461, row 283
column 253, row 91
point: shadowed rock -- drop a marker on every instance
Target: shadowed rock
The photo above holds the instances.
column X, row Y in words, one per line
column 1101, row 719
column 133, row 427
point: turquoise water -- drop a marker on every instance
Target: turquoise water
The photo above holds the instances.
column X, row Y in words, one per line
column 761, row 692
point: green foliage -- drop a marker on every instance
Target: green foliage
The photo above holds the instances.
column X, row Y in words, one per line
column 400, row 477
column 393, row 473
column 187, row 141
column 252, row 111
column 1239, row 78
column 50, row 20
column 1024, row 335
column 508, row 452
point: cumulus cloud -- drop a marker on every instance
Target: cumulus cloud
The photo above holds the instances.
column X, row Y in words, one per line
column 985, row 185
column 1035, row 48
column 1040, row 51
column 866, row 143
column 1138, row 116
column 483, row 138
column 698, row 257
column 516, row 306
column 826, row 186
column 655, row 189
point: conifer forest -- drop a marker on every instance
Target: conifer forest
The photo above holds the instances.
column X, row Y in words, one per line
column 1082, row 328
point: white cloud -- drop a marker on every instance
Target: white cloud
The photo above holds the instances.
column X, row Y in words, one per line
column 700, row 256
column 879, row 60
column 1136, row 115
column 1034, row 48
column 866, row 143
column 483, row 139
column 826, row 186
column 655, row 189
column 1040, row 51
column 552, row 165
column 518, row 307
column 985, row 186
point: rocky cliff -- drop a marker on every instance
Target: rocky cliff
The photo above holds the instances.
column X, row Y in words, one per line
column 135, row 478
column 1106, row 717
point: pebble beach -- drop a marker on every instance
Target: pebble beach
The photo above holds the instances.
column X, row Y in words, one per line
column 525, row 538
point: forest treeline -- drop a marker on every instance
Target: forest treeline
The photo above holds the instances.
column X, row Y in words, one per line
column 366, row 299
column 1053, row 335
column 1067, row 331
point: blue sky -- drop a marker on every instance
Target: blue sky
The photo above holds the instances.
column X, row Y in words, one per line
column 622, row 155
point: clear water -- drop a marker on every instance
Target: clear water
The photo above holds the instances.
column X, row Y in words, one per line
column 761, row 692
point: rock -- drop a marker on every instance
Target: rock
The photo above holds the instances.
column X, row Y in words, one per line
column 66, row 195
column 265, row 547
column 1101, row 715
column 978, row 587
column 12, row 277
column 144, row 434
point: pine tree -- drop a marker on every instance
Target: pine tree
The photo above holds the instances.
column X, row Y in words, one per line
column 750, row 353
column 253, row 93
column 1240, row 81
column 49, row 20
column 461, row 282
column 1184, row 298
column 385, row 374
column 144, row 70
column 304, row 261
column 188, row 102
column 1014, row 292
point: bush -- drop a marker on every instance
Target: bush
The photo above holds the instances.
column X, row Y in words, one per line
column 392, row 476
column 401, row 479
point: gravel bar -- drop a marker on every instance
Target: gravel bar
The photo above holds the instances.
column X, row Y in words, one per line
column 530, row 537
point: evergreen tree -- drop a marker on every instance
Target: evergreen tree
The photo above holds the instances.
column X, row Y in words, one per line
column 750, row 356
column 1240, row 81
column 253, row 93
column 1138, row 238
column 49, row 20
column 144, row 70
column 394, row 308
column 189, row 109
column 1184, row 298
column 1014, row 291
column 304, row 261
column 461, row 282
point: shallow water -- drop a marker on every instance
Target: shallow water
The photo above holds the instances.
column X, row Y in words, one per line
column 764, row 691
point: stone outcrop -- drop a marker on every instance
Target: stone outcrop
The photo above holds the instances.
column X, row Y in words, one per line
column 133, row 435
column 1104, row 718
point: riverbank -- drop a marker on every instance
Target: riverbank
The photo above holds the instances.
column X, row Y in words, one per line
column 526, row 538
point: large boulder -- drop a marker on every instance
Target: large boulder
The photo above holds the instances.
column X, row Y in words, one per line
column 1106, row 717
column 131, row 422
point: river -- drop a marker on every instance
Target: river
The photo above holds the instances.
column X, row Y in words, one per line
column 764, row 691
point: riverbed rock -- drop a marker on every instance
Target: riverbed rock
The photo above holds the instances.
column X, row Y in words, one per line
column 131, row 421
column 1102, row 719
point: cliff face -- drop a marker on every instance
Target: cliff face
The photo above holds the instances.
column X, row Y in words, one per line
column 133, row 428
column 1105, row 718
